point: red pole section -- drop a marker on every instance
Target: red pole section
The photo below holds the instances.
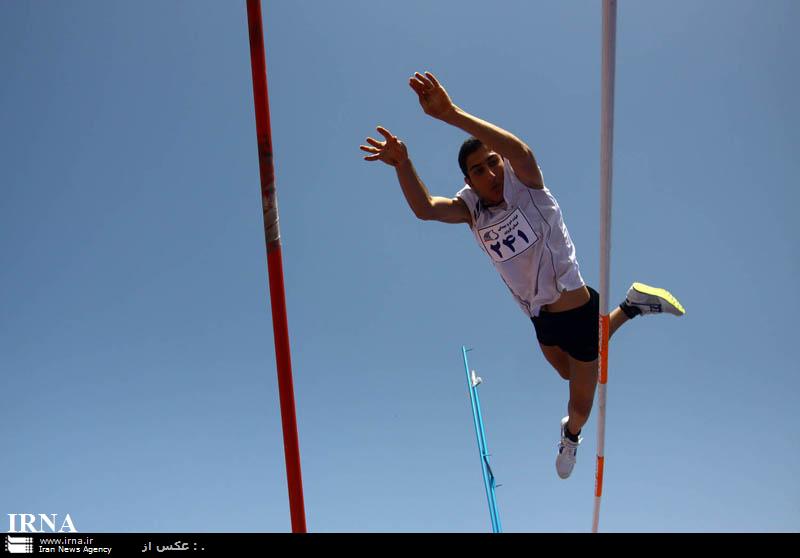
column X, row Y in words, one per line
column 277, row 293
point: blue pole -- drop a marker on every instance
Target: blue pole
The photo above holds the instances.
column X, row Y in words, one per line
column 488, row 476
column 488, row 470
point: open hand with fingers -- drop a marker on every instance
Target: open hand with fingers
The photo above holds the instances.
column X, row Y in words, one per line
column 393, row 152
column 434, row 99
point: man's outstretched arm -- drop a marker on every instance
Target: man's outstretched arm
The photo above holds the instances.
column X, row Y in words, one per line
column 394, row 153
column 437, row 103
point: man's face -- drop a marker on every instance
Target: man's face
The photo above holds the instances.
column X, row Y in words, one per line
column 485, row 175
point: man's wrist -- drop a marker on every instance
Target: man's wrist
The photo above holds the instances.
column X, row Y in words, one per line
column 452, row 116
column 403, row 163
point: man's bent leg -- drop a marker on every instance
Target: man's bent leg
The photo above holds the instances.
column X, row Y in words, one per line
column 582, row 385
column 615, row 319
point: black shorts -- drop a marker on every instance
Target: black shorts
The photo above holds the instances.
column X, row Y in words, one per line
column 575, row 331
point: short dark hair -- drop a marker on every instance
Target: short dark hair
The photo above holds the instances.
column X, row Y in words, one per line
column 470, row 146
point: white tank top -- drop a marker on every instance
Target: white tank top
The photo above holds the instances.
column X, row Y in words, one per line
column 527, row 241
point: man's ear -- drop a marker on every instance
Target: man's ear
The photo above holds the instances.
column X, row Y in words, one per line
column 468, row 182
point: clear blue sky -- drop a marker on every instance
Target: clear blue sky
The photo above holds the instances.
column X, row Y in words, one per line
column 136, row 357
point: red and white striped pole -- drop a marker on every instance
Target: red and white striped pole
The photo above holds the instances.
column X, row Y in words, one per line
column 277, row 293
column 606, row 160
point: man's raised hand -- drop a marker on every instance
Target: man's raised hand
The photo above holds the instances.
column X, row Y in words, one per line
column 393, row 152
column 432, row 97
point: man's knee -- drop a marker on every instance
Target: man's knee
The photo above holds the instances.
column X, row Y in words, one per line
column 558, row 359
column 584, row 375
column 563, row 372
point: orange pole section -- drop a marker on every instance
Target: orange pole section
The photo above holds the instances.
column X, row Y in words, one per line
column 605, row 324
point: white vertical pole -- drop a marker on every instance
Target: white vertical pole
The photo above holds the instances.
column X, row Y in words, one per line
column 606, row 160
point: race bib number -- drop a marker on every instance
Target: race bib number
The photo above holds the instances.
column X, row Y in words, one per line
column 508, row 238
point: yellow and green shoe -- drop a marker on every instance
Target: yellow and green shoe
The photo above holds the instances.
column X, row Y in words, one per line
column 652, row 300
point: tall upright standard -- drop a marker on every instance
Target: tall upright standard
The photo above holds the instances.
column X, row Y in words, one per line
column 277, row 293
column 606, row 160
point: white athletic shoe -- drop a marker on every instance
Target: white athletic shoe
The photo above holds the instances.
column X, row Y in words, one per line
column 567, row 449
column 652, row 300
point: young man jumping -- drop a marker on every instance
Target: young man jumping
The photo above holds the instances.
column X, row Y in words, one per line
column 518, row 224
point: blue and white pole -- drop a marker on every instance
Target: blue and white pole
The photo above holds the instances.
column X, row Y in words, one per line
column 473, row 381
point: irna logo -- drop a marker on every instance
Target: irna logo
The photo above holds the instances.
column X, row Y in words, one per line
column 40, row 523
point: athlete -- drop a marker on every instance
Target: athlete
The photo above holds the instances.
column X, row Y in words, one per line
column 517, row 223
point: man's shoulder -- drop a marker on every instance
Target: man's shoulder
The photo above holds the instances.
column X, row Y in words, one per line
column 467, row 195
column 471, row 201
column 518, row 182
